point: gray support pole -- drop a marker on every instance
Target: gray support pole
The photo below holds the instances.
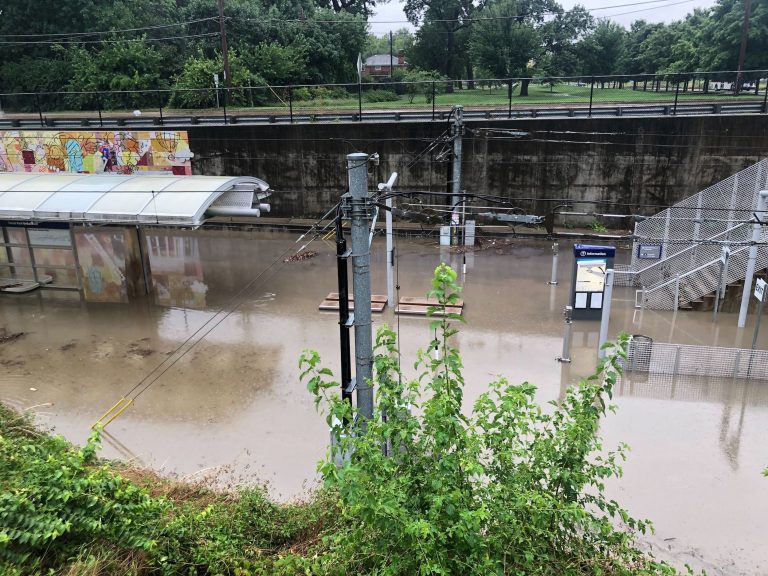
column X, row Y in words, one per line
column 568, row 315
column 390, row 257
column 606, row 317
column 757, row 322
column 458, row 129
column 553, row 278
column 756, row 233
column 357, row 169
column 717, row 291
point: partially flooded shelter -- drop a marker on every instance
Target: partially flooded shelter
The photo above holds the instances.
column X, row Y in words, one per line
column 92, row 232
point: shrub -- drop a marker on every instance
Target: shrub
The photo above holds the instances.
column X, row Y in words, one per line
column 55, row 500
column 380, row 96
column 511, row 489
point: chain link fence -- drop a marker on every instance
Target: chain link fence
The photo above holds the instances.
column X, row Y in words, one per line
column 647, row 356
column 387, row 99
column 689, row 238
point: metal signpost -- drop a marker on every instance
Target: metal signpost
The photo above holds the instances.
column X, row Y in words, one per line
column 760, row 295
column 726, row 253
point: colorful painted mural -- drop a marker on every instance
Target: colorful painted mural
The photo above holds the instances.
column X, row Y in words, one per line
column 101, row 255
column 92, row 152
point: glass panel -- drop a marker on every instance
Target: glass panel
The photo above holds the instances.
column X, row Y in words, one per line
column 54, row 257
column 20, row 256
column 102, row 265
column 63, row 278
column 16, row 236
column 49, row 237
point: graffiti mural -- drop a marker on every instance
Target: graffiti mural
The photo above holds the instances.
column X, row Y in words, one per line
column 92, row 152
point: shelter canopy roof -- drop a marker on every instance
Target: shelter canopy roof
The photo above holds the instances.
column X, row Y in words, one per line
column 120, row 199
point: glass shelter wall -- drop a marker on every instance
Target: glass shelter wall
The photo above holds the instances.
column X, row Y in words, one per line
column 43, row 255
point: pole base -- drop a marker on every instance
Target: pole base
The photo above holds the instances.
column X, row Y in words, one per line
column 564, row 360
column 552, row 283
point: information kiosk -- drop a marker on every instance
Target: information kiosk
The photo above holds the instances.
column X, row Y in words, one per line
column 588, row 279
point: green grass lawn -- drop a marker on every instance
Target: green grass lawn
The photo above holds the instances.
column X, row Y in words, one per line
column 495, row 97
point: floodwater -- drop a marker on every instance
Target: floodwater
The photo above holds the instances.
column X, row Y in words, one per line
column 232, row 406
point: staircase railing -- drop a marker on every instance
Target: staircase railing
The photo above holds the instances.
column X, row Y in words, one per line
column 682, row 289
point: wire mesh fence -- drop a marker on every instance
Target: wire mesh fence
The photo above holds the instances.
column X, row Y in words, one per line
column 385, row 98
column 647, row 356
column 689, row 238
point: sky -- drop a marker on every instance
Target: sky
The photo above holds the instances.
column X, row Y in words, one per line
column 390, row 16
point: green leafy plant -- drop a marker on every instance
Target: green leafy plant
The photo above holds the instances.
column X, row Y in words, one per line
column 512, row 488
column 598, row 227
column 56, row 498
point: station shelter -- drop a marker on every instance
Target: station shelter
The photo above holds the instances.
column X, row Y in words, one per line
column 86, row 232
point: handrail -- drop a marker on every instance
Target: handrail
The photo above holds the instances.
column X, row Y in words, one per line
column 691, row 247
column 677, row 278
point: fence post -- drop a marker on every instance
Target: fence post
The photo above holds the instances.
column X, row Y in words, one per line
column 677, row 91
column 765, row 99
column 160, row 102
column 39, row 110
column 591, row 93
column 290, row 102
column 359, row 101
column 433, row 100
column 677, row 292
column 99, row 106
column 509, row 95
column 226, row 96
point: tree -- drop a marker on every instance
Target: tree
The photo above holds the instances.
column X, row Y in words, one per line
column 517, row 37
column 427, row 487
column 722, row 32
column 603, row 52
column 440, row 37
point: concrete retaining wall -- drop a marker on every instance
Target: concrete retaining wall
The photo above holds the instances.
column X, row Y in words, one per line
column 638, row 161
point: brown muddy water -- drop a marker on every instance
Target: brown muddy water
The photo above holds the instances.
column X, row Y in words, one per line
column 233, row 408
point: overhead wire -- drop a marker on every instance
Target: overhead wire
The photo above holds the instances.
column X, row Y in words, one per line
column 107, row 32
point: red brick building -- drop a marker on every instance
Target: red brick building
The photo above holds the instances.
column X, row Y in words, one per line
column 378, row 65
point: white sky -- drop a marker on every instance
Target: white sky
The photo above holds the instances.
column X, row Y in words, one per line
column 390, row 16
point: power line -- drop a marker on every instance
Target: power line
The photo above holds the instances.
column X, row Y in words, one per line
column 106, row 32
column 120, row 41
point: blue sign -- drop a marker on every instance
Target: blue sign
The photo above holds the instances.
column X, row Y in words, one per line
column 589, row 251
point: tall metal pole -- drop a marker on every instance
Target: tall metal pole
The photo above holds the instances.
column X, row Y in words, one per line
column 343, row 282
column 391, row 56
column 224, row 49
column 390, row 257
column 357, row 169
column 606, row 317
column 743, row 46
column 458, row 130
column 757, row 322
column 553, row 278
column 756, row 233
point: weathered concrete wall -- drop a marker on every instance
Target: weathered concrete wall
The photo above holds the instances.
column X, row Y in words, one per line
column 639, row 161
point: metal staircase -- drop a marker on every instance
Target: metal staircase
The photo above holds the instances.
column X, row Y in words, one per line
column 691, row 235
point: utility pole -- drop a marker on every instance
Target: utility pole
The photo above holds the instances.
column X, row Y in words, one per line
column 757, row 230
column 391, row 57
column 358, row 202
column 224, row 50
column 743, row 47
column 458, row 130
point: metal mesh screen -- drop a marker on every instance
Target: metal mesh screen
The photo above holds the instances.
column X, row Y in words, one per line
column 691, row 235
column 645, row 355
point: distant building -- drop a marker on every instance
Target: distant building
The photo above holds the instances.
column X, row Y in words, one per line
column 378, row 65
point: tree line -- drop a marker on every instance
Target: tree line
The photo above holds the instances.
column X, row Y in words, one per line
column 135, row 46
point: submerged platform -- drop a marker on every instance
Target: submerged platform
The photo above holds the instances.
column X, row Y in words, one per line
column 411, row 306
column 331, row 302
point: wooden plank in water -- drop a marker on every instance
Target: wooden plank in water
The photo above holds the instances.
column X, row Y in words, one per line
column 418, row 310
column 328, row 305
column 374, row 297
column 426, row 301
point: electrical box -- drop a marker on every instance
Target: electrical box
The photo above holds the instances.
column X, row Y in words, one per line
column 588, row 279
